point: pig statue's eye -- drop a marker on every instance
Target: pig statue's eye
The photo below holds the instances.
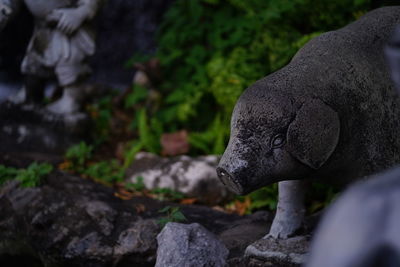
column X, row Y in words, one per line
column 277, row 141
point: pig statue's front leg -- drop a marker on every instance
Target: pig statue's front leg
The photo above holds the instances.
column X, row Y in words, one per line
column 290, row 212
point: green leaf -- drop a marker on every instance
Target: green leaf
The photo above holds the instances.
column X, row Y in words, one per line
column 137, row 95
column 108, row 171
column 163, row 221
column 7, row 173
column 165, row 209
column 34, row 174
column 138, row 185
column 178, row 216
column 79, row 154
column 130, row 155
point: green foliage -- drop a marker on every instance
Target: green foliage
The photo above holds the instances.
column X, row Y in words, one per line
column 29, row 177
column 33, row 175
column 138, row 57
column 319, row 196
column 7, row 173
column 107, row 171
column 266, row 197
column 137, row 186
column 149, row 131
column 129, row 156
column 167, row 194
column 137, row 95
column 211, row 50
column 101, row 112
column 162, row 194
column 173, row 215
column 211, row 141
column 78, row 155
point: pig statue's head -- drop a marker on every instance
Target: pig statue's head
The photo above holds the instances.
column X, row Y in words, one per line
column 276, row 137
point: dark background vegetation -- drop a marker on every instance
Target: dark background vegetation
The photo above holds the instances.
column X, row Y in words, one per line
column 208, row 51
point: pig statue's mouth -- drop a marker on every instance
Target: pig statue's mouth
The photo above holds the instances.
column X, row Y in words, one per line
column 230, row 182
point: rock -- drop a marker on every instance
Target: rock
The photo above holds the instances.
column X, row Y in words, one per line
column 279, row 252
column 195, row 177
column 189, row 245
column 71, row 221
column 32, row 132
column 241, row 233
column 361, row 228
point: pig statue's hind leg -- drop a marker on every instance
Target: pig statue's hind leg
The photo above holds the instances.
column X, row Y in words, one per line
column 290, row 212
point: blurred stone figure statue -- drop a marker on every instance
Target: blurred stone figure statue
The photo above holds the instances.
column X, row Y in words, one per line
column 393, row 55
column 61, row 43
column 5, row 12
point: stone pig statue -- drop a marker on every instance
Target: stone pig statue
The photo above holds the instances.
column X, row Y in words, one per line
column 331, row 115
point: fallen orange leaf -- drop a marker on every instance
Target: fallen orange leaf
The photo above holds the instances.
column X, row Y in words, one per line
column 121, row 196
column 65, row 165
column 242, row 207
column 188, row 201
column 140, row 208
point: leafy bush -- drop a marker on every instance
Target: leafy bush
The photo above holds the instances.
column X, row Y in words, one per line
column 78, row 160
column 101, row 113
column 29, row 177
column 211, row 50
column 266, row 197
column 77, row 155
column 167, row 194
column 137, row 186
column 107, row 171
column 7, row 173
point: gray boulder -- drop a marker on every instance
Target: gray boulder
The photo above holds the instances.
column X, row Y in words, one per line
column 71, row 221
column 289, row 252
column 361, row 229
column 331, row 115
column 189, row 245
column 192, row 176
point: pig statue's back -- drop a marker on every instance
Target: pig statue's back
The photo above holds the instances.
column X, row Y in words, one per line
column 347, row 70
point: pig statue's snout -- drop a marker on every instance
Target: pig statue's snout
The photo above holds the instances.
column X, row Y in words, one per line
column 228, row 180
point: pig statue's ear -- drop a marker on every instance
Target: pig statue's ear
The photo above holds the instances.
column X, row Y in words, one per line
column 313, row 135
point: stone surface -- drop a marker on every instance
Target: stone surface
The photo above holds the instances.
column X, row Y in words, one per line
column 32, row 132
column 361, row 229
column 279, row 252
column 73, row 222
column 193, row 176
column 70, row 221
column 189, row 245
